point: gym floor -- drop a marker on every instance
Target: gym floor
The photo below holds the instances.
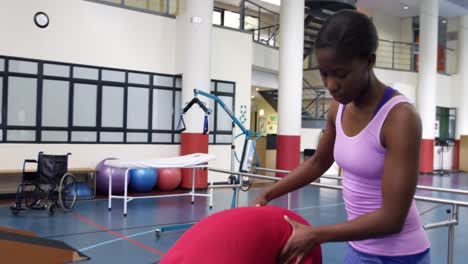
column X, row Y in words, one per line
column 108, row 237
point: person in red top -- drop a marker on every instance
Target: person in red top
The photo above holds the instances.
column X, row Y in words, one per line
column 247, row 235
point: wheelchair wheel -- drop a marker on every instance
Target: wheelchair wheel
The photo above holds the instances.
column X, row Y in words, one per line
column 67, row 192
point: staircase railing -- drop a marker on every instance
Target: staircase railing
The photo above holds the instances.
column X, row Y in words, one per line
column 404, row 56
column 265, row 26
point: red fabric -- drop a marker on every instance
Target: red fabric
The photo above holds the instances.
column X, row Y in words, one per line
column 247, row 235
column 194, row 143
column 426, row 162
column 288, row 153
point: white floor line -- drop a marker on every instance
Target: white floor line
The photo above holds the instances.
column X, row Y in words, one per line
column 115, row 240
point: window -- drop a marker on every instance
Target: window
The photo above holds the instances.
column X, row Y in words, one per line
column 231, row 19
column 57, row 102
column 220, row 123
column 218, row 17
column 446, row 119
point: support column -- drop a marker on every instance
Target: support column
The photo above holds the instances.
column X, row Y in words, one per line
column 194, row 28
column 290, row 84
column 427, row 80
column 462, row 113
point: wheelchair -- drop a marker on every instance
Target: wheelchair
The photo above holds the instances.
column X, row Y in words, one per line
column 49, row 187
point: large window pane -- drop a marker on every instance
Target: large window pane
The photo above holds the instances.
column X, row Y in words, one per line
column 137, row 110
column 22, row 66
column 176, row 138
column 231, row 19
column 138, row 78
column 2, row 65
column 84, row 105
column 226, row 139
column 225, row 87
column 111, row 137
column 177, row 108
column 166, row 81
column 55, row 103
column 162, row 138
column 224, row 121
column 178, row 83
column 112, row 106
column 56, row 70
column 162, row 109
column 211, row 105
column 85, row 73
column 217, row 17
column 54, row 136
column 22, row 94
column 113, row 76
column 21, row 135
column 137, row 137
column 83, row 136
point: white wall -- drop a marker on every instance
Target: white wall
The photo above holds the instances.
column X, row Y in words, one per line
column 264, row 79
column 447, row 91
column 88, row 33
column 406, row 29
column 231, row 59
column 265, row 58
column 388, row 27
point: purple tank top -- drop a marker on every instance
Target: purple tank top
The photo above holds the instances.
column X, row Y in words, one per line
column 361, row 158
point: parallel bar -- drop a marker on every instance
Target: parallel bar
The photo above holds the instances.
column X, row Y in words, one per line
column 336, row 187
column 440, row 224
column 420, row 187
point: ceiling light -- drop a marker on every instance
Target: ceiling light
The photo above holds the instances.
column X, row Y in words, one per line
column 444, row 21
column 252, row 97
column 405, row 7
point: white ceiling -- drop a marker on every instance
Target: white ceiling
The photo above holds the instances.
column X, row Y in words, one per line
column 390, row 7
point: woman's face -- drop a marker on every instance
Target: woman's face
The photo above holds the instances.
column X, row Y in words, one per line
column 345, row 79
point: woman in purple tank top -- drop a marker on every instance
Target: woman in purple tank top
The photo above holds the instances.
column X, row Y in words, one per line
column 374, row 135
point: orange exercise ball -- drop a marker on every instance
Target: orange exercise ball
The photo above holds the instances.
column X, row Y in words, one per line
column 169, row 179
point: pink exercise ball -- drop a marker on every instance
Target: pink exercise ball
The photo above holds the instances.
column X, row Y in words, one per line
column 169, row 179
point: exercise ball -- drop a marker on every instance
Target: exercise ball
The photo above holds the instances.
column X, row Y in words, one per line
column 169, row 179
column 143, row 180
column 83, row 190
column 102, row 178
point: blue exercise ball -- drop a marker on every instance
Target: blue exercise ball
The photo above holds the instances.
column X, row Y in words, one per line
column 83, row 190
column 143, row 180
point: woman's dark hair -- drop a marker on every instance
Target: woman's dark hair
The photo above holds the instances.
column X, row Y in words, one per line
column 350, row 33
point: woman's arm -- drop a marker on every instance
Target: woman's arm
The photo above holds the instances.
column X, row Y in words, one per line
column 401, row 138
column 310, row 169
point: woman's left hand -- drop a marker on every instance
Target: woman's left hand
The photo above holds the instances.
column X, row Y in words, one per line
column 299, row 245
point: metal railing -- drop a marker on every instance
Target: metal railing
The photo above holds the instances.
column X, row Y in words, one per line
column 404, row 56
column 451, row 222
column 266, row 28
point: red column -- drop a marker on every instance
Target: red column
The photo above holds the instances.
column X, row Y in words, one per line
column 426, row 160
column 287, row 153
column 194, row 143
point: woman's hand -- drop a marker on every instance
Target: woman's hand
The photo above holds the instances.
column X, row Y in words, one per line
column 299, row 245
column 261, row 200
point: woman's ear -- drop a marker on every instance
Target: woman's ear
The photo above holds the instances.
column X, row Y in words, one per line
column 371, row 61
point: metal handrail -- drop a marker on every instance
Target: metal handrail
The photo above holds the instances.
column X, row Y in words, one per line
column 420, row 187
column 451, row 222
